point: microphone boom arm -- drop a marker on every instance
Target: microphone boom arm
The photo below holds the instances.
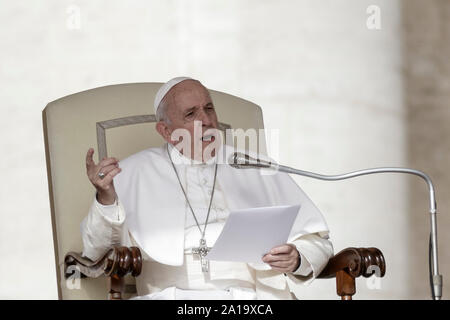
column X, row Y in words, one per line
column 243, row 161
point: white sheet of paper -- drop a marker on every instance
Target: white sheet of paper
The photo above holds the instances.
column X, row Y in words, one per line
column 250, row 233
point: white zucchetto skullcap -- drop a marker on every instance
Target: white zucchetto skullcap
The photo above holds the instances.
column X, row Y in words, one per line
column 165, row 88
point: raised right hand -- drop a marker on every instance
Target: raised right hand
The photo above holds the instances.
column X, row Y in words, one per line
column 106, row 194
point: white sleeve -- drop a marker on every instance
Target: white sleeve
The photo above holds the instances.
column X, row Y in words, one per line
column 315, row 250
column 305, row 268
column 104, row 227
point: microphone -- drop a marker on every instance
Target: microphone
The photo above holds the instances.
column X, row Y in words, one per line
column 240, row 160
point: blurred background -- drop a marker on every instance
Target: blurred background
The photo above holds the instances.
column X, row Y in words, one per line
column 350, row 84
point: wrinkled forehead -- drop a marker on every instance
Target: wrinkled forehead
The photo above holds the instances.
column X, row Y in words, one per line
column 188, row 94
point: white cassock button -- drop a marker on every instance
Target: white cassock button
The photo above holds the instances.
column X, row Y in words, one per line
column 205, row 181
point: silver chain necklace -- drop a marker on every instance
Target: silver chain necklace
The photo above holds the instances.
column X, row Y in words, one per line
column 202, row 250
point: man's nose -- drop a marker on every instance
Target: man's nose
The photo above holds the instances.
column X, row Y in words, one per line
column 204, row 118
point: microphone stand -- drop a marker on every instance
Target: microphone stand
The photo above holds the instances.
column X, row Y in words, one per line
column 244, row 161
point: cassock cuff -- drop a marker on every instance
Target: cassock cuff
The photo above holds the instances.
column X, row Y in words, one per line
column 315, row 250
column 112, row 212
column 100, row 232
column 305, row 268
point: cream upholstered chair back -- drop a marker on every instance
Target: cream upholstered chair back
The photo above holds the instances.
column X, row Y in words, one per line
column 116, row 120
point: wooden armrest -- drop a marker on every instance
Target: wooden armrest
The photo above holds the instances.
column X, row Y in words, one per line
column 352, row 263
column 116, row 263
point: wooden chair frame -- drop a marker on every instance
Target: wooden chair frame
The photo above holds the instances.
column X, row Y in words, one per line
column 117, row 262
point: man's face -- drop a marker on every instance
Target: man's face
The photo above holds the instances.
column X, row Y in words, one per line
column 190, row 108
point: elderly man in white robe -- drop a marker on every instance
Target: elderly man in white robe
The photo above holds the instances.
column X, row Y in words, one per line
column 171, row 201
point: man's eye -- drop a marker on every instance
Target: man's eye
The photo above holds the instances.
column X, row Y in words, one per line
column 190, row 114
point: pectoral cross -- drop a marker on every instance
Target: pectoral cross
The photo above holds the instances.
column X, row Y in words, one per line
column 202, row 251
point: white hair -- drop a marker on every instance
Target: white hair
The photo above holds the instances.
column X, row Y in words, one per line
column 161, row 112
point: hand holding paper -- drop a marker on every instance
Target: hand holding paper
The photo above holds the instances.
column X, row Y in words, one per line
column 251, row 233
column 284, row 258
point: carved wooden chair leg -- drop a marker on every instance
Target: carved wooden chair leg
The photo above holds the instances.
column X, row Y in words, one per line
column 345, row 285
column 116, row 286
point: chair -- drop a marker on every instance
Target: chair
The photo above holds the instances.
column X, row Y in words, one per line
column 118, row 120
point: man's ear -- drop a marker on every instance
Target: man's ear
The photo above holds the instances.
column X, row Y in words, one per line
column 163, row 130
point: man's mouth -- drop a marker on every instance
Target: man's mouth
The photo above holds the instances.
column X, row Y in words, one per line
column 208, row 137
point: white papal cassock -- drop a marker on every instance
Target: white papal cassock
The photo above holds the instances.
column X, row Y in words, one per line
column 152, row 214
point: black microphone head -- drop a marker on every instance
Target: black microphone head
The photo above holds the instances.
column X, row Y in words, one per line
column 241, row 160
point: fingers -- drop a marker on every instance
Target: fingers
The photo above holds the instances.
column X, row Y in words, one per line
column 108, row 166
column 107, row 161
column 105, row 166
column 268, row 258
column 282, row 264
column 281, row 253
column 93, row 170
column 106, row 182
column 288, row 265
column 282, row 258
column 107, row 169
column 89, row 161
column 285, row 248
